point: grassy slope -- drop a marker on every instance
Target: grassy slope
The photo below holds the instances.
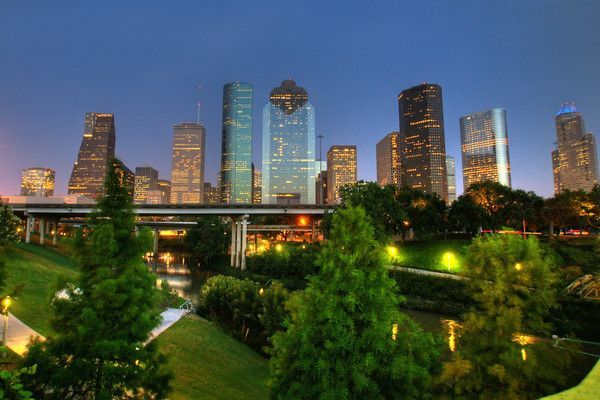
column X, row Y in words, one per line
column 430, row 255
column 209, row 364
column 37, row 269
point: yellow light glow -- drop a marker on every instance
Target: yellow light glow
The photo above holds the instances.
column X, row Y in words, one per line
column 449, row 260
column 278, row 247
column 392, row 251
column 524, row 354
column 394, row 331
column 6, row 302
column 261, row 291
column 518, row 266
column 452, row 325
column 302, row 221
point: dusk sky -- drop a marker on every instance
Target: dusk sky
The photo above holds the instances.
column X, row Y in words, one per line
column 144, row 61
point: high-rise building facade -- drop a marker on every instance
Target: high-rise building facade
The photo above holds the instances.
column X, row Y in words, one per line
column 575, row 162
column 321, row 188
column 422, row 142
column 451, row 171
column 341, row 170
column 288, row 150
column 146, row 179
column 187, row 171
column 37, row 181
column 162, row 194
column 236, row 155
column 256, row 185
column 211, row 194
column 95, row 155
column 484, row 147
column 126, row 176
column 388, row 160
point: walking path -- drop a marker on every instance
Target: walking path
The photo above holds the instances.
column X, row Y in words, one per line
column 168, row 318
column 427, row 272
column 18, row 334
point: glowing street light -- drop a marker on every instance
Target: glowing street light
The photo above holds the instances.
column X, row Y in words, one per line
column 392, row 251
column 449, row 260
column 518, row 266
column 5, row 304
column 278, row 247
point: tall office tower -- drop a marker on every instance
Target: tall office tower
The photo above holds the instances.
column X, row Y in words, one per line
column 146, row 179
column 37, row 182
column 341, row 170
column 321, row 188
column 126, row 176
column 187, row 171
column 555, row 171
column 162, row 194
column 422, row 143
column 236, row 156
column 577, row 163
column 211, row 194
column 388, row 160
column 288, row 149
column 95, row 154
column 451, row 171
column 256, row 185
column 484, row 144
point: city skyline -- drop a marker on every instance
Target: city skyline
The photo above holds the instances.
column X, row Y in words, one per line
column 352, row 85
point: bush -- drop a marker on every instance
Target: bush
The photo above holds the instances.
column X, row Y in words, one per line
column 249, row 312
column 293, row 262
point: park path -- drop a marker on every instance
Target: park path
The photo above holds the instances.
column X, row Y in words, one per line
column 18, row 334
column 444, row 275
column 168, row 318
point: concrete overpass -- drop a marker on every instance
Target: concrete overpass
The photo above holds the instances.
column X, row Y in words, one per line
column 49, row 215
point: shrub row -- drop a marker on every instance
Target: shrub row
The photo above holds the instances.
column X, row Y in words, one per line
column 291, row 262
column 248, row 311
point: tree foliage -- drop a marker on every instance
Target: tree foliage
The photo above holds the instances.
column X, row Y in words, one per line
column 425, row 212
column 103, row 322
column 346, row 338
column 208, row 242
column 499, row 353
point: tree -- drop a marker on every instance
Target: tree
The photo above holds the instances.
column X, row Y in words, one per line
column 426, row 212
column 103, row 322
column 465, row 215
column 385, row 213
column 499, row 351
column 9, row 223
column 208, row 242
column 346, row 338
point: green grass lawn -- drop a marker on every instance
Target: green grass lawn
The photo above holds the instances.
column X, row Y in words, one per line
column 37, row 269
column 439, row 255
column 209, row 364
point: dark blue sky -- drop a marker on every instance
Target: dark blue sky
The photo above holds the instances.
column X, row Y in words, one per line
column 144, row 61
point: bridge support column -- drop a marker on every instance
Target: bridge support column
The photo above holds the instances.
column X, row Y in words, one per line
column 244, row 240
column 28, row 229
column 54, row 232
column 238, row 243
column 232, row 249
column 42, row 230
column 155, row 243
column 32, row 227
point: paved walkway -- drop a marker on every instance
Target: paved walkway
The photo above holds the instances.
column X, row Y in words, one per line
column 18, row 334
column 169, row 317
column 427, row 272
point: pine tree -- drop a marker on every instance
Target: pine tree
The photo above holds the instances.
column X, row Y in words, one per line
column 500, row 348
column 103, row 322
column 346, row 338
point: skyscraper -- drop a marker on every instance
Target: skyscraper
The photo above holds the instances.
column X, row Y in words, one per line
column 126, row 176
column 162, row 194
column 422, row 142
column 484, row 146
column 211, row 194
column 95, row 154
column 288, row 151
column 236, row 156
column 341, row 170
column 321, row 188
column 256, row 185
column 451, row 171
column 187, row 172
column 575, row 162
column 146, row 179
column 37, row 182
column 388, row 160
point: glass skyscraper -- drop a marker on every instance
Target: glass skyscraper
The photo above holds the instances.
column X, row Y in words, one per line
column 236, row 155
column 288, row 147
column 484, row 147
column 451, row 171
column 422, row 141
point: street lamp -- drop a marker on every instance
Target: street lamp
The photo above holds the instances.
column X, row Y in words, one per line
column 5, row 303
